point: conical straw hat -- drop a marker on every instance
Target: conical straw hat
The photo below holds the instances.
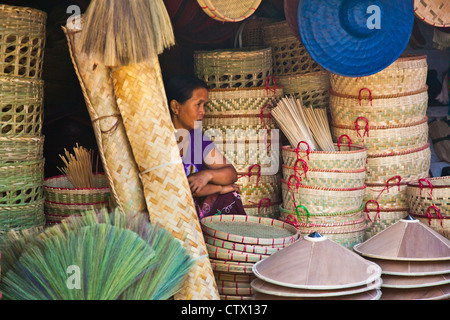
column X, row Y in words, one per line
column 142, row 102
column 430, row 293
column 317, row 263
column 114, row 148
column 369, row 295
column 412, row 268
column 275, row 290
column 406, row 240
column 402, row 282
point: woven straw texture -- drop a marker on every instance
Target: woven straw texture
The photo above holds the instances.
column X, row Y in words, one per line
column 21, row 106
column 313, row 88
column 289, row 54
column 114, row 148
column 240, row 127
column 20, row 217
column 22, row 41
column 345, row 158
column 21, row 148
column 412, row 164
column 393, row 197
column 378, row 221
column 425, row 193
column 438, row 224
column 251, row 33
column 384, row 139
column 254, row 189
column 406, row 74
column 234, row 68
column 142, row 102
column 300, row 215
column 229, row 11
column 380, row 110
column 433, row 12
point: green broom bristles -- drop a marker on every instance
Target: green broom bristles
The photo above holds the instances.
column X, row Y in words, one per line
column 172, row 263
column 123, row 32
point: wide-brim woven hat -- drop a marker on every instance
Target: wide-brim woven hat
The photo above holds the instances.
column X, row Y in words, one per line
column 355, row 38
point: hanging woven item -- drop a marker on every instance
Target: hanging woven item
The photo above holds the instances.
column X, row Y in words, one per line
column 433, row 12
column 229, row 11
column 355, row 38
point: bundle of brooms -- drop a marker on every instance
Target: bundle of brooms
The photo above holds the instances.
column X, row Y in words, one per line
column 98, row 256
column 127, row 36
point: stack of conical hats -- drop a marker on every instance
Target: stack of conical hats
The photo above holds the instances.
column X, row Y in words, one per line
column 415, row 261
column 236, row 243
column 316, row 268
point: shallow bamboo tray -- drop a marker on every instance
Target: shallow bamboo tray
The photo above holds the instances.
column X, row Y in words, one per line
column 406, row 74
column 23, row 41
column 230, row 11
column 433, row 12
column 264, row 250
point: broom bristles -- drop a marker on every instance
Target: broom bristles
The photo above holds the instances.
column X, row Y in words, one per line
column 124, row 32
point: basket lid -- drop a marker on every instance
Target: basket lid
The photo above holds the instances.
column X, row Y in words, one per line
column 433, row 12
column 317, row 263
column 406, row 240
column 355, row 38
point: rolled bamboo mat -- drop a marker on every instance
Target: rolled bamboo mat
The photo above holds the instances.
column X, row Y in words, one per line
column 114, row 148
column 143, row 105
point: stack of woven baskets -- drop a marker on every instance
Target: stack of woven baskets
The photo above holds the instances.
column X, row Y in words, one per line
column 429, row 202
column 293, row 67
column 22, row 43
column 386, row 112
column 236, row 243
column 324, row 191
column 239, row 122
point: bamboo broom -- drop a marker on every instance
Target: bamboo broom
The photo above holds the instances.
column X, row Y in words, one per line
column 114, row 147
column 141, row 98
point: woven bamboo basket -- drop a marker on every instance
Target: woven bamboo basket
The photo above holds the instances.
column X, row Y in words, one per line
column 346, row 157
column 263, row 210
column 232, row 276
column 141, row 98
column 313, row 88
column 300, row 215
column 232, row 284
column 378, row 219
column 389, row 195
column 236, row 291
column 21, row 183
column 233, row 255
column 433, row 12
column 23, row 41
column 321, row 200
column 262, row 191
column 435, row 221
column 242, row 101
column 112, row 141
column 236, row 298
column 289, row 54
column 407, row 74
column 239, row 126
column 19, row 149
column 232, row 267
column 427, row 192
column 234, row 68
column 20, row 217
column 56, row 212
column 250, row 230
column 229, row 11
column 325, row 178
column 411, row 164
column 264, row 250
column 21, row 106
column 381, row 110
column 251, row 33
column 384, row 139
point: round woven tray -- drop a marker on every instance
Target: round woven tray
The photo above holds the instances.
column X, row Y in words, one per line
column 411, row 164
column 234, row 68
column 228, row 266
column 264, row 250
column 17, row 149
column 250, row 230
column 384, row 139
column 23, row 41
column 345, row 157
column 379, row 110
column 313, row 88
column 433, row 12
column 289, row 54
column 406, row 74
column 427, row 192
column 321, row 200
column 229, row 11
column 233, row 255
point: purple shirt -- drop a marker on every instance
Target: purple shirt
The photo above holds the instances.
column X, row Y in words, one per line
column 199, row 147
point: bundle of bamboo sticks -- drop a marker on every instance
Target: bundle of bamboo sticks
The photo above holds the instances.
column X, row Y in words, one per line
column 79, row 167
column 300, row 123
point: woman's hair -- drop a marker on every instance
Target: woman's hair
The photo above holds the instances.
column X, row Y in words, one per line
column 181, row 88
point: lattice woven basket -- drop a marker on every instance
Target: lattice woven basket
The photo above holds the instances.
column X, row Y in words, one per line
column 381, row 110
column 411, row 164
column 313, row 88
column 427, row 192
column 22, row 41
column 21, row 106
column 234, row 68
column 289, row 54
column 229, row 11
column 407, row 74
column 20, row 217
column 384, row 139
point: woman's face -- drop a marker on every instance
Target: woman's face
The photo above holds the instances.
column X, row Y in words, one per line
column 190, row 114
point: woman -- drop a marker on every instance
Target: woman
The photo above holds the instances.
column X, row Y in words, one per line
column 211, row 178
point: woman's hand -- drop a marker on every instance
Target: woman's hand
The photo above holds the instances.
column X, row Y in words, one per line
column 230, row 188
column 199, row 180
